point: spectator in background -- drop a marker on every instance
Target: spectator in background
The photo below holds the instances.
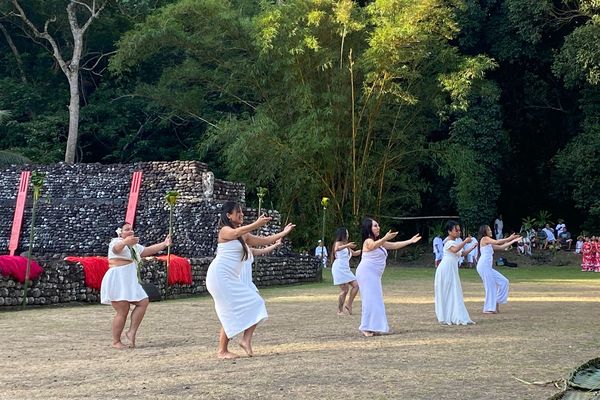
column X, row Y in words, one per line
column 499, row 227
column 473, row 253
column 587, row 261
column 321, row 253
column 524, row 245
column 579, row 245
column 550, row 238
column 561, row 228
column 596, row 253
column 531, row 236
column 461, row 258
column 438, row 249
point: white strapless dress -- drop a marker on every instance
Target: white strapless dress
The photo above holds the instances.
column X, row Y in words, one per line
column 238, row 305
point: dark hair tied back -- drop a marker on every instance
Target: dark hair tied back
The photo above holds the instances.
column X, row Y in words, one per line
column 450, row 225
column 230, row 207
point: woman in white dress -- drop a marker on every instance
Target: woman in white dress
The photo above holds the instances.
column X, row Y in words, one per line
column 494, row 283
column 120, row 286
column 246, row 274
column 340, row 270
column 239, row 306
column 373, row 320
column 449, row 303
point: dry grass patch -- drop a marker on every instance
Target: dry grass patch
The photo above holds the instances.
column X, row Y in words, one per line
column 306, row 351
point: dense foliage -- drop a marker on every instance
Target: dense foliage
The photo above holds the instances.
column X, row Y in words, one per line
column 388, row 107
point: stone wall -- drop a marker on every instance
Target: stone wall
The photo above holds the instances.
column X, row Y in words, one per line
column 64, row 282
column 82, row 204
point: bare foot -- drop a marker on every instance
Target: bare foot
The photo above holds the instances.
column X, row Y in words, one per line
column 348, row 309
column 119, row 346
column 247, row 348
column 131, row 338
column 498, row 308
column 368, row 333
column 227, row 355
column 341, row 313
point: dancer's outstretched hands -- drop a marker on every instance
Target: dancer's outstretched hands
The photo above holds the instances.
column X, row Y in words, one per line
column 288, row 228
column 415, row 238
column 514, row 235
column 389, row 236
column 131, row 240
column 278, row 243
column 263, row 220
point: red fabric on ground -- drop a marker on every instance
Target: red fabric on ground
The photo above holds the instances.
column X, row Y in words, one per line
column 180, row 270
column 16, row 266
column 94, row 269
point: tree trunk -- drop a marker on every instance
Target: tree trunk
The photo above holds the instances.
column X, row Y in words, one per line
column 70, row 68
column 72, row 137
column 13, row 48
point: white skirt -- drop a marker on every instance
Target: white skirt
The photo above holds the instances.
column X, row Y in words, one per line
column 340, row 270
column 121, row 284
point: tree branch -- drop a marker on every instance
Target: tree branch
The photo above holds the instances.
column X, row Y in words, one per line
column 15, row 51
column 43, row 35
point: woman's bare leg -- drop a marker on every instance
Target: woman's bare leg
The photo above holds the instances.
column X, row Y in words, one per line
column 246, row 340
column 224, row 352
column 136, row 319
column 118, row 322
column 342, row 298
column 353, row 293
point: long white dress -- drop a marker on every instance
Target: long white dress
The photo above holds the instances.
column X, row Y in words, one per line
column 121, row 283
column 238, row 305
column 449, row 303
column 340, row 270
column 246, row 273
column 368, row 275
column 494, row 283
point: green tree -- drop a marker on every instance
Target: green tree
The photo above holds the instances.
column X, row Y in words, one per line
column 578, row 63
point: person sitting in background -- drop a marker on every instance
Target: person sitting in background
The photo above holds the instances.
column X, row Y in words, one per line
column 531, row 236
column 524, row 245
column 561, row 228
column 565, row 240
column 550, row 238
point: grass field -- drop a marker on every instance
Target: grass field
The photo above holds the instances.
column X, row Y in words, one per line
column 306, row 351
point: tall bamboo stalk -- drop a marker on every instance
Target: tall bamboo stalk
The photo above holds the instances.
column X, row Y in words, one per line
column 37, row 181
column 171, row 198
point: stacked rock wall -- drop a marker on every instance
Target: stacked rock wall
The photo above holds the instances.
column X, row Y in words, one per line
column 82, row 204
column 64, row 282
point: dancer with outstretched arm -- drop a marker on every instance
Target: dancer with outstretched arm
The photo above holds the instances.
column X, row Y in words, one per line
column 494, row 283
column 120, row 286
column 373, row 320
column 239, row 306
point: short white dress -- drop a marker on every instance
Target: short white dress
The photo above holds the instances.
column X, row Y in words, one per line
column 449, row 303
column 368, row 275
column 121, row 283
column 238, row 306
column 246, row 273
column 340, row 270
